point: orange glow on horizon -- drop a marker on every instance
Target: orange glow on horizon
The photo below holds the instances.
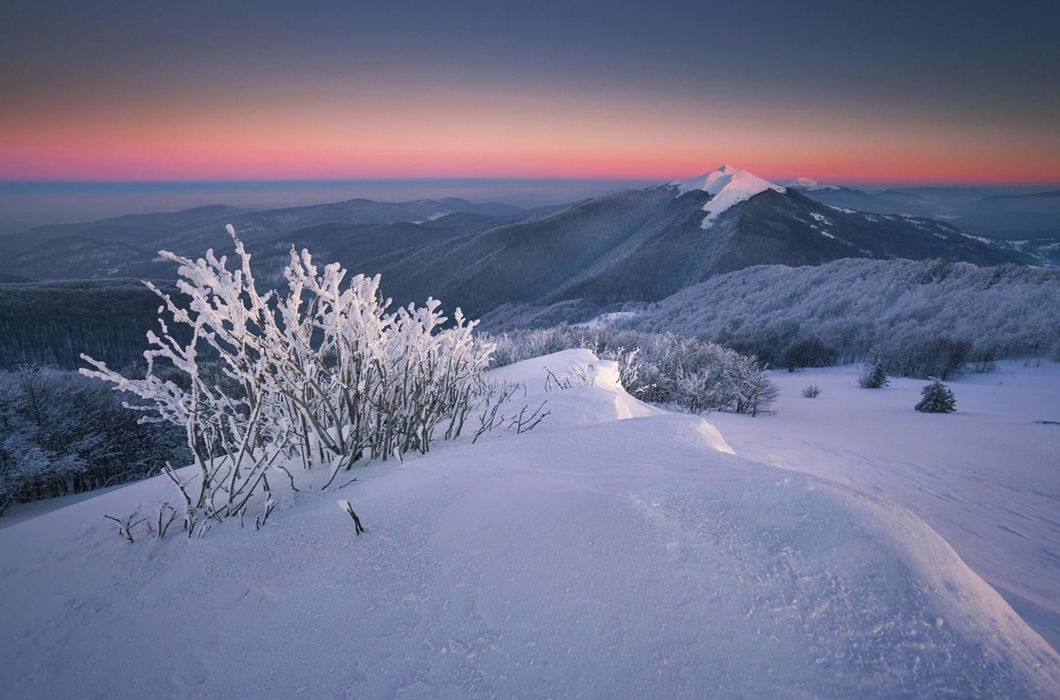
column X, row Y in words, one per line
column 469, row 135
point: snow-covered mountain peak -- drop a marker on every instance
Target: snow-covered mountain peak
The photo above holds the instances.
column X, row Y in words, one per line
column 727, row 187
column 726, row 177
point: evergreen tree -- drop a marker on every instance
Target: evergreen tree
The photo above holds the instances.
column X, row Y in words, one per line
column 937, row 398
column 873, row 377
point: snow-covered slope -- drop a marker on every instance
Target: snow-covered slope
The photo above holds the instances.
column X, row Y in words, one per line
column 727, row 186
column 985, row 477
column 614, row 551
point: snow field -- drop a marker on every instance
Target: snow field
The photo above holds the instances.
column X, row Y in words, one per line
column 986, row 478
column 615, row 551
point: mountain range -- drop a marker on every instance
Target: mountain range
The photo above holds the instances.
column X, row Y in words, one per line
column 994, row 212
column 633, row 245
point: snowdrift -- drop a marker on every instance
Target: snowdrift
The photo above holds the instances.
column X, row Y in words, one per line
column 614, row 551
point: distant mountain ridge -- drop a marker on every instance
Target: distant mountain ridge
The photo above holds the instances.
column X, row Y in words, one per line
column 979, row 211
column 545, row 266
column 634, row 245
column 128, row 246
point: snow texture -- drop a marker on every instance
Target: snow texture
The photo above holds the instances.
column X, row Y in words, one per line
column 985, row 477
column 615, row 551
column 727, row 187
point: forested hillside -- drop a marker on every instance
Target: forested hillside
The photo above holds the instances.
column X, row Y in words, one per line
column 52, row 323
column 912, row 314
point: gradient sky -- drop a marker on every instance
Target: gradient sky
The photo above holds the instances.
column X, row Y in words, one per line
column 839, row 91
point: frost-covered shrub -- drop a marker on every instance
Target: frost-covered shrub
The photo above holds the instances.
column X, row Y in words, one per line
column 661, row 368
column 936, row 397
column 873, row 376
column 577, row 374
column 811, row 392
column 321, row 372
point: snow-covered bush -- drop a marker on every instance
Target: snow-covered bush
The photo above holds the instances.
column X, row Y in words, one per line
column 661, row 368
column 873, row 376
column 811, row 392
column 936, row 397
column 321, row 373
column 577, row 374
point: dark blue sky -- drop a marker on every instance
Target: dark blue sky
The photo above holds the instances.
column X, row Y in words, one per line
column 173, row 90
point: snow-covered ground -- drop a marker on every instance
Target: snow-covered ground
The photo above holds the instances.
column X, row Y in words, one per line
column 986, row 478
column 614, row 551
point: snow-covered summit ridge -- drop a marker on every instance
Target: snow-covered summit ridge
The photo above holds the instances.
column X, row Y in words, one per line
column 595, row 394
column 727, row 187
column 810, row 185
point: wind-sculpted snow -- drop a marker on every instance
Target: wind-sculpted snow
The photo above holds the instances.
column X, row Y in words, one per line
column 984, row 478
column 595, row 558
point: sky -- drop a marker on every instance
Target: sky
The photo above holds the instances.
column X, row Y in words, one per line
column 160, row 90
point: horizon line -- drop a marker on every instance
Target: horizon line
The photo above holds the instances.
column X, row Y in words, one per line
column 45, row 182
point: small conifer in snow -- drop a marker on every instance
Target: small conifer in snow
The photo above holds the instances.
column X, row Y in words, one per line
column 873, row 377
column 937, row 398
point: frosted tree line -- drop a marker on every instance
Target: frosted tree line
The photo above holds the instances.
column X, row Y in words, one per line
column 319, row 374
column 61, row 434
column 919, row 318
column 51, row 323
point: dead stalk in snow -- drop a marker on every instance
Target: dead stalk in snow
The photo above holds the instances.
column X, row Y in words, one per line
column 125, row 526
column 345, row 505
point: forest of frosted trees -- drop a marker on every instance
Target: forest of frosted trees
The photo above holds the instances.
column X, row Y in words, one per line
column 61, row 433
column 52, row 323
column 920, row 318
